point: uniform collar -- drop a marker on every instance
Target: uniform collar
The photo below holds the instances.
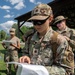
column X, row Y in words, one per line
column 61, row 31
column 46, row 37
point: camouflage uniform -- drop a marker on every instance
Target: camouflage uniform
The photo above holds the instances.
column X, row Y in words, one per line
column 11, row 53
column 71, row 34
column 40, row 52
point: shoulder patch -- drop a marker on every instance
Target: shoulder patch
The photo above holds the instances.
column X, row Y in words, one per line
column 70, row 57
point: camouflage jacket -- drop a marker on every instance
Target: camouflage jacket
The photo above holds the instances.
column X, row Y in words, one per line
column 40, row 50
column 71, row 34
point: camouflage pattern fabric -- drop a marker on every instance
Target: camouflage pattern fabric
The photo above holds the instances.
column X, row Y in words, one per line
column 40, row 52
column 56, row 70
column 71, row 34
column 42, row 10
column 11, row 54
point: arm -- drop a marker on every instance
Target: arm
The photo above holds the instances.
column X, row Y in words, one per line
column 71, row 40
column 25, row 58
column 18, row 44
column 65, row 55
column 72, row 43
column 3, row 44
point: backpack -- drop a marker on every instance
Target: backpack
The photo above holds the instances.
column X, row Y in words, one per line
column 68, row 57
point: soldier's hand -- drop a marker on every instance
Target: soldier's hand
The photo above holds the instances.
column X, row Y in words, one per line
column 3, row 43
column 24, row 59
column 66, row 38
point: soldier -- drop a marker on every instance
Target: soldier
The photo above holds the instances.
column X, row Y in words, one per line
column 68, row 33
column 47, row 47
column 12, row 50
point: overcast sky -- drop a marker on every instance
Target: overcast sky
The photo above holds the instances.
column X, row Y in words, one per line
column 9, row 9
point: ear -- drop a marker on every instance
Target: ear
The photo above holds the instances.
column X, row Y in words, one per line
column 51, row 18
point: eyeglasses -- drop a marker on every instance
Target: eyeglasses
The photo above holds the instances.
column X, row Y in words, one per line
column 39, row 22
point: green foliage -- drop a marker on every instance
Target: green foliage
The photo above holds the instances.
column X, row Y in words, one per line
column 24, row 29
column 2, row 35
column 2, row 64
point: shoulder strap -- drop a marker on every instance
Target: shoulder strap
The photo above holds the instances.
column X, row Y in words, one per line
column 54, row 37
column 54, row 45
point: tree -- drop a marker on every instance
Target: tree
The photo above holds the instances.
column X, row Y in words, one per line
column 2, row 34
column 24, row 29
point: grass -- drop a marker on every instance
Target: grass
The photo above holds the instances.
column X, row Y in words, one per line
column 2, row 63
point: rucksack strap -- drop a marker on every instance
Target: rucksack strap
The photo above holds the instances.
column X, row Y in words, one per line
column 54, row 45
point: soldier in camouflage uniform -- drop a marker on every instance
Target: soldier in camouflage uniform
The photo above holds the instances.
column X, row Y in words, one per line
column 68, row 33
column 41, row 47
column 11, row 53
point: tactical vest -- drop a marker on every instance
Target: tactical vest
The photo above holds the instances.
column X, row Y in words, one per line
column 67, row 59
